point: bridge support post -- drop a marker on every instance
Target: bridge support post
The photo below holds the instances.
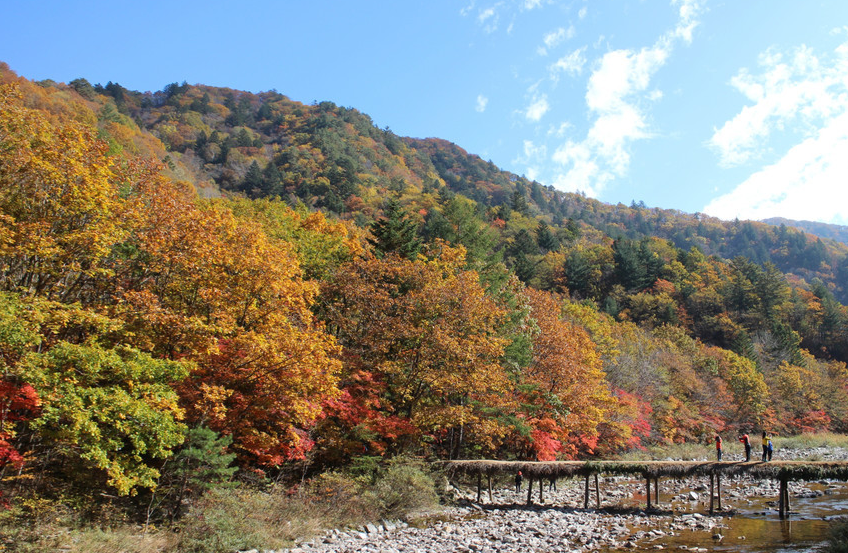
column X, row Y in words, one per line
column 648, row 490
column 529, row 490
column 489, row 477
column 718, row 490
column 781, row 499
column 712, row 492
column 657, row 491
column 541, row 487
column 597, row 493
column 786, row 501
column 479, row 486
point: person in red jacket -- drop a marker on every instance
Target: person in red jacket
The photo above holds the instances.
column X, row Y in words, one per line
column 747, row 443
column 718, row 447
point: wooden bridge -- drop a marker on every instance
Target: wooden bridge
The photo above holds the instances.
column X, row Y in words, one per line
column 652, row 471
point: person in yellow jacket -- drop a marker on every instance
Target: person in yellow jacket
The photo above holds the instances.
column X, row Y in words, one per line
column 765, row 446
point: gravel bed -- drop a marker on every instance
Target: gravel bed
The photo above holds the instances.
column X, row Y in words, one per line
column 561, row 524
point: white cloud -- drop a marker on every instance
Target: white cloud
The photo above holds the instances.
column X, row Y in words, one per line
column 488, row 18
column 616, row 94
column 689, row 12
column 482, row 102
column 620, row 75
column 554, row 39
column 560, row 130
column 532, row 158
column 808, row 183
column 799, row 96
column 582, row 13
column 537, row 108
column 799, row 88
column 584, row 174
column 572, row 64
column 534, row 152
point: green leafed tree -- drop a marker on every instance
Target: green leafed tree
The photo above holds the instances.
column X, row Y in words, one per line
column 114, row 408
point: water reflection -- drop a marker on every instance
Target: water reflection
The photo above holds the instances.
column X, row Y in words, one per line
column 755, row 526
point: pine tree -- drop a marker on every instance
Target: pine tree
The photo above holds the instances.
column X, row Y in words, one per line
column 201, row 464
column 577, row 272
column 271, row 180
column 545, row 238
column 519, row 202
column 396, row 232
column 253, row 179
column 629, row 270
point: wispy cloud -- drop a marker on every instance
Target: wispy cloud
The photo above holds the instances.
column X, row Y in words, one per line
column 797, row 94
column 482, row 102
column 532, row 157
column 799, row 88
column 537, row 108
column 572, row 64
column 488, row 18
column 690, row 10
column 555, row 38
column 616, row 95
column 807, row 183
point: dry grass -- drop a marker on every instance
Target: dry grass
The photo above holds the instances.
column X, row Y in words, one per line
column 225, row 519
column 129, row 540
column 807, row 441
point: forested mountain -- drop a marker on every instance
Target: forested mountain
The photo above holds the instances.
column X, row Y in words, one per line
column 823, row 230
column 335, row 159
column 291, row 283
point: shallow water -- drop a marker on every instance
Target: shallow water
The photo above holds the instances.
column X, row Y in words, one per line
column 755, row 526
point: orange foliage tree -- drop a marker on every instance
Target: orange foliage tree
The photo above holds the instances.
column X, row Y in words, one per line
column 421, row 346
column 200, row 284
column 60, row 206
column 565, row 384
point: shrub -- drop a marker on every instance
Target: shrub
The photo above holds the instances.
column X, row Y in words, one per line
column 405, row 488
column 231, row 520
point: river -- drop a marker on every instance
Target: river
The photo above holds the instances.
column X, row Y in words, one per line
column 753, row 525
column 506, row 524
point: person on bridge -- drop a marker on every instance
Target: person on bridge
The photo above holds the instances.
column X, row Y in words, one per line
column 765, row 446
column 747, row 443
column 718, row 447
column 770, row 449
column 518, row 480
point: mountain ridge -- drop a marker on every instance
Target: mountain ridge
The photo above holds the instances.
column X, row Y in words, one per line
column 835, row 232
column 335, row 159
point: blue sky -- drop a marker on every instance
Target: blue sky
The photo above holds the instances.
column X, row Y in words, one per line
column 734, row 108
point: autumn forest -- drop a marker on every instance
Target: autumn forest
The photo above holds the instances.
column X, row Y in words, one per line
column 289, row 286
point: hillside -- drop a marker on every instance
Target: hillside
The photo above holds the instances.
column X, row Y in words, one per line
column 822, row 230
column 205, row 268
column 335, row 159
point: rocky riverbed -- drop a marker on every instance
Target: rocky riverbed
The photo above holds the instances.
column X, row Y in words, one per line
column 507, row 524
